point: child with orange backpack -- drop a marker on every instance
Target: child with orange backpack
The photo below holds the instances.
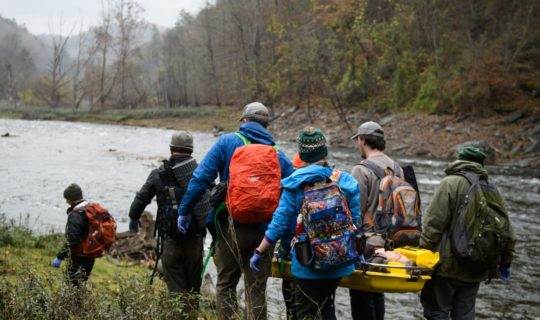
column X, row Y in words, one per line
column 90, row 231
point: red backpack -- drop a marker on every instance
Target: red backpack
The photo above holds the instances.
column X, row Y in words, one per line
column 101, row 231
column 254, row 182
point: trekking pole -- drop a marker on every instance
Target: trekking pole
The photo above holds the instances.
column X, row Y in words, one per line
column 159, row 251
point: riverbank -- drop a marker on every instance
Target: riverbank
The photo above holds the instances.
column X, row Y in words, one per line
column 512, row 139
column 31, row 289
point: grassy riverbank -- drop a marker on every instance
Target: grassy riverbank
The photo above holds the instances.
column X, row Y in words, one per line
column 202, row 118
column 31, row 289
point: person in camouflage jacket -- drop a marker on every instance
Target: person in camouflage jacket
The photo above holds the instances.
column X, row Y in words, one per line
column 453, row 288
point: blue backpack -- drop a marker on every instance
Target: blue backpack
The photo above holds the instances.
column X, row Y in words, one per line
column 327, row 221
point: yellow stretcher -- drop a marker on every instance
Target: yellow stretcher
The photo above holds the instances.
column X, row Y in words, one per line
column 393, row 277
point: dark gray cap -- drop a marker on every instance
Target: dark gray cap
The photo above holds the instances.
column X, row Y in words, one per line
column 73, row 192
column 256, row 111
column 369, row 128
column 182, row 141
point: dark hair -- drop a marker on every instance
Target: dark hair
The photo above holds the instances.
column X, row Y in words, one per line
column 181, row 150
column 374, row 142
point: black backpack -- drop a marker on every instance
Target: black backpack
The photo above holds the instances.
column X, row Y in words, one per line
column 175, row 179
column 482, row 228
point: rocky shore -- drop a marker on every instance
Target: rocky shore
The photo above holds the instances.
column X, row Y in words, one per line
column 512, row 139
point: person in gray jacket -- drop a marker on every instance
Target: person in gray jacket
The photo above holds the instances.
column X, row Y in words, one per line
column 371, row 144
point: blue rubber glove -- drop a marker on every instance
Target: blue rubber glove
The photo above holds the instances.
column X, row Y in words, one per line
column 56, row 263
column 254, row 261
column 183, row 223
column 506, row 274
column 134, row 226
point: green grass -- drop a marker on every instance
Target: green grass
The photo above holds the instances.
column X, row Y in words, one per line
column 31, row 289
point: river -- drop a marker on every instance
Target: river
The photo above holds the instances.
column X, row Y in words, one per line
column 40, row 158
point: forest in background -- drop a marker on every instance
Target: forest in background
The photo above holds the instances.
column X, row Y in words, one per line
column 461, row 56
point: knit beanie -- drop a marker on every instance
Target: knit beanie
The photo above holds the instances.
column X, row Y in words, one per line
column 312, row 145
column 472, row 154
column 73, row 192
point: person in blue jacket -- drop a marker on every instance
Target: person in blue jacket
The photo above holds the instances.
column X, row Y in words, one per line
column 237, row 241
column 315, row 289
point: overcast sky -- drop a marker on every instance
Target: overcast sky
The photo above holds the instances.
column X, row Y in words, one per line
column 40, row 16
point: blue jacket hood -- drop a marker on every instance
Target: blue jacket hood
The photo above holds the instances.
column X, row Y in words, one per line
column 256, row 133
column 311, row 173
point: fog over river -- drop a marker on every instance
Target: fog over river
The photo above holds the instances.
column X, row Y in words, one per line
column 40, row 158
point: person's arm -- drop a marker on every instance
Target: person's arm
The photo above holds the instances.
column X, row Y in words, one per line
column 203, row 177
column 509, row 250
column 352, row 191
column 143, row 197
column 285, row 165
column 76, row 232
column 283, row 218
column 438, row 215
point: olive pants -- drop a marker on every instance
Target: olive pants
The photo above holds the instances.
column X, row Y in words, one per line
column 445, row 298
column 233, row 251
column 182, row 262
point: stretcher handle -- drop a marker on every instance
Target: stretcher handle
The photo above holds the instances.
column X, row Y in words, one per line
column 365, row 266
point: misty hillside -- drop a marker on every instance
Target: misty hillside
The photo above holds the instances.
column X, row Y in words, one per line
column 15, row 39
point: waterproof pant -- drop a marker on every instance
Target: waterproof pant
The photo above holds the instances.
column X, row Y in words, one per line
column 287, row 288
column 315, row 298
column 367, row 305
column 182, row 262
column 79, row 269
column 233, row 251
column 445, row 298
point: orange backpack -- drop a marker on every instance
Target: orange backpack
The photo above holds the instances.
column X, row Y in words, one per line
column 101, row 231
column 398, row 214
column 254, row 182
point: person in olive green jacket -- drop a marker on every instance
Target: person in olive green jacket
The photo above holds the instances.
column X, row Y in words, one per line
column 453, row 288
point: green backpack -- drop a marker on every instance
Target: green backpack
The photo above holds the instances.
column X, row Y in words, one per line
column 482, row 229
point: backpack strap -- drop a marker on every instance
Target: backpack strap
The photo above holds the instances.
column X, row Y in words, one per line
column 472, row 177
column 246, row 141
column 397, row 170
column 373, row 167
column 243, row 138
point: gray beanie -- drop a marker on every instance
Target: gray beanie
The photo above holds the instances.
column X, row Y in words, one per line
column 182, row 141
column 73, row 192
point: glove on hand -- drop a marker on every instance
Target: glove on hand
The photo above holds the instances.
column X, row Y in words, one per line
column 254, row 261
column 506, row 274
column 56, row 263
column 183, row 224
column 134, row 226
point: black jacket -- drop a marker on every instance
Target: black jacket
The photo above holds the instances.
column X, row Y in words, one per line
column 76, row 229
column 153, row 187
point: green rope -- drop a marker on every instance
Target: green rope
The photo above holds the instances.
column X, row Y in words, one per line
column 220, row 208
column 207, row 260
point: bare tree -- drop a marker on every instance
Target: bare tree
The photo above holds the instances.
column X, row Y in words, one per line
column 50, row 88
column 127, row 16
column 103, row 37
column 83, row 60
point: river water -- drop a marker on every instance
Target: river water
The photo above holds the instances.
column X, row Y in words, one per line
column 110, row 163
